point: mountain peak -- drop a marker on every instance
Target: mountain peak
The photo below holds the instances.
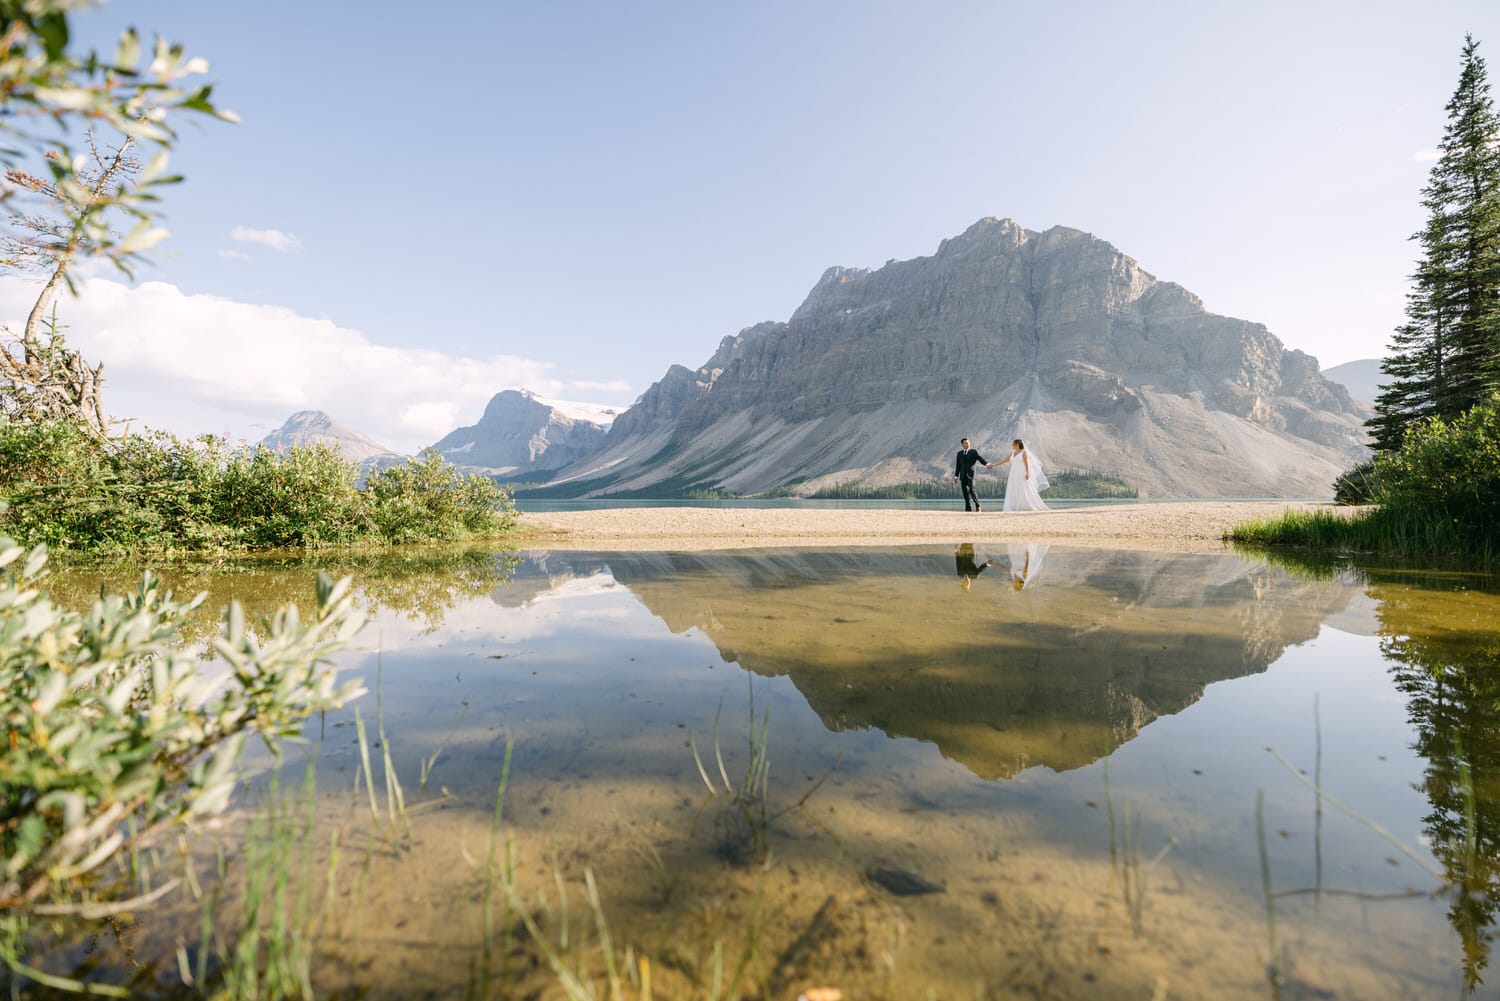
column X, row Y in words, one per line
column 521, row 434
column 508, row 400
column 316, row 427
column 989, row 232
column 310, row 418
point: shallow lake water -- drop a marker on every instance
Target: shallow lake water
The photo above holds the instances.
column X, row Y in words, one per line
column 947, row 772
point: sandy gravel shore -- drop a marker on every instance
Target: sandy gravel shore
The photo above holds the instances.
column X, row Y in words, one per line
column 1191, row 526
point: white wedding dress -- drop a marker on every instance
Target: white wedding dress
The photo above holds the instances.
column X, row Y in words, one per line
column 1022, row 494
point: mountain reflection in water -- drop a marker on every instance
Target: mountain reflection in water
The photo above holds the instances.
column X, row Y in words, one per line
column 1000, row 678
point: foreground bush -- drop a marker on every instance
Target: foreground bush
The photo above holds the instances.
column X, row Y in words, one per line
column 1436, row 496
column 114, row 728
column 153, row 492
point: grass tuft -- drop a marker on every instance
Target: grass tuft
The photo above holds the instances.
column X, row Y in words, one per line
column 1406, row 533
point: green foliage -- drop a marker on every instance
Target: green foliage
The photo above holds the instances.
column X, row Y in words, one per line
column 1320, row 531
column 115, row 729
column 915, row 490
column 305, row 496
column 49, row 93
column 153, row 492
column 1451, row 680
column 1447, row 473
column 1079, row 484
column 1356, row 486
column 1438, row 496
column 66, row 491
column 1446, row 357
column 427, row 498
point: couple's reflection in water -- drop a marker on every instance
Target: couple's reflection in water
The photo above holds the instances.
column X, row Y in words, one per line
column 1022, row 564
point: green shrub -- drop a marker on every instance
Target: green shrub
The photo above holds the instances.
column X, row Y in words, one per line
column 114, row 728
column 1447, row 473
column 306, row 496
column 66, row 489
column 1437, row 496
column 427, row 498
column 154, row 492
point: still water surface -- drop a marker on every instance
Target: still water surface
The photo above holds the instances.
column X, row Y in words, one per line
column 1017, row 771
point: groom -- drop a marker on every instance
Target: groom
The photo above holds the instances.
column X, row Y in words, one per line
column 963, row 473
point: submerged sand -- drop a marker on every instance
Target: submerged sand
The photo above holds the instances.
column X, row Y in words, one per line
column 1190, row 526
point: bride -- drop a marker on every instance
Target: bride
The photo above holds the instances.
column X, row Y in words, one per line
column 1022, row 488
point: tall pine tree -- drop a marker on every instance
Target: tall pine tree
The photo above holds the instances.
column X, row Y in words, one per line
column 1446, row 357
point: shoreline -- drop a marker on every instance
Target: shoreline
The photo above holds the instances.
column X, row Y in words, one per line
column 1184, row 526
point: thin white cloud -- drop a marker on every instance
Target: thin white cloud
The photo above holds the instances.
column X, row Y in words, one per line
column 282, row 243
column 235, row 255
column 202, row 363
column 1426, row 155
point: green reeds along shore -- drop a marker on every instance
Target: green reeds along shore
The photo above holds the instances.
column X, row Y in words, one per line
column 1436, row 498
column 1386, row 531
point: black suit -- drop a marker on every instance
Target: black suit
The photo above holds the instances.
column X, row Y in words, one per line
column 965, row 562
column 963, row 468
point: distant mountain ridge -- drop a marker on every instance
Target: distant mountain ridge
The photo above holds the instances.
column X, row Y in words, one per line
column 314, row 427
column 1056, row 337
column 1362, row 378
column 519, row 435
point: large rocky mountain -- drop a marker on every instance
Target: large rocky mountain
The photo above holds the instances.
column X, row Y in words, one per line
column 314, row 427
column 1056, row 337
column 520, row 436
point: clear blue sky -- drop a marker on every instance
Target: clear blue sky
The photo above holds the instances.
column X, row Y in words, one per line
column 605, row 189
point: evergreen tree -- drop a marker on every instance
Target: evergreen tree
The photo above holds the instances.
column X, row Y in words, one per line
column 1446, row 357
